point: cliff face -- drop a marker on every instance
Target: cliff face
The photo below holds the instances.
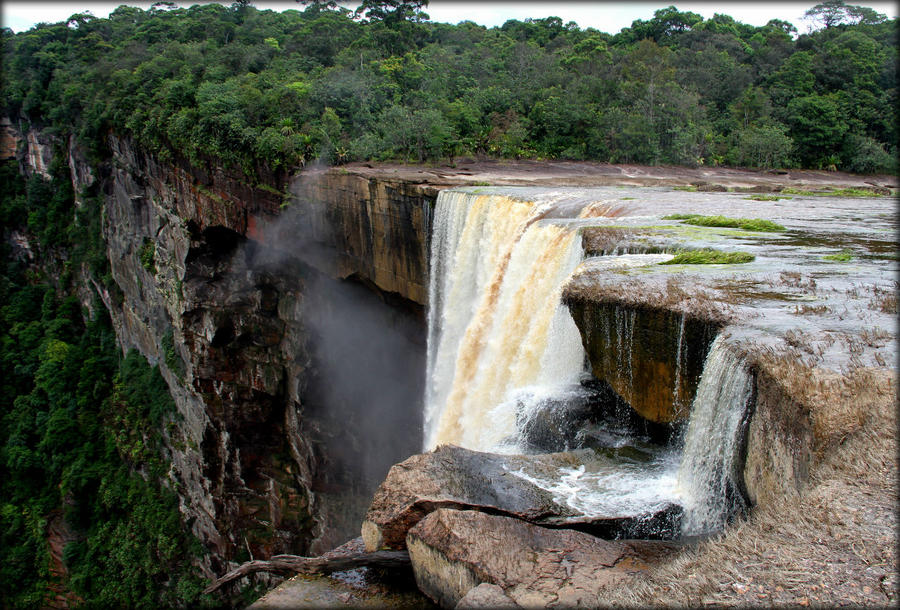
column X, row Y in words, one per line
column 652, row 358
column 237, row 317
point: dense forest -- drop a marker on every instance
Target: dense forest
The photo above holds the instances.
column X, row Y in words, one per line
column 279, row 89
column 81, row 424
column 81, row 459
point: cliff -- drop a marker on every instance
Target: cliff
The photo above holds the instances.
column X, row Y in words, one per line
column 286, row 313
column 266, row 458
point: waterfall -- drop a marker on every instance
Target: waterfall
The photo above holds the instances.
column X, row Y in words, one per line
column 495, row 320
column 500, row 343
column 708, row 470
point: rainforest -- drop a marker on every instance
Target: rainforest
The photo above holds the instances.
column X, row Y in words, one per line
column 274, row 279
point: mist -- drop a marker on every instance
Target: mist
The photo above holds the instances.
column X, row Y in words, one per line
column 365, row 383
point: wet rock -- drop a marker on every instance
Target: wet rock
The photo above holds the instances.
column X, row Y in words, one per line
column 453, row 477
column 453, row 552
column 590, row 416
column 651, row 357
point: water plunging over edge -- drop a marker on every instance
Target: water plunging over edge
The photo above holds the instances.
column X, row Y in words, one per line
column 491, row 259
column 496, row 324
column 708, row 474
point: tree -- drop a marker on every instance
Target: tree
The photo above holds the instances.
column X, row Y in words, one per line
column 765, row 146
column 666, row 23
column 817, row 127
column 317, row 6
column 392, row 12
column 835, row 12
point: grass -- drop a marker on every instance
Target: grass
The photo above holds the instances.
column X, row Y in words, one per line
column 843, row 256
column 844, row 192
column 688, row 188
column 765, row 197
column 708, row 256
column 748, row 224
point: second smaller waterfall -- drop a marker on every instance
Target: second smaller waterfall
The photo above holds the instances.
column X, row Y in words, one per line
column 707, row 476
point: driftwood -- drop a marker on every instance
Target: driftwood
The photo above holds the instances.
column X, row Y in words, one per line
column 287, row 564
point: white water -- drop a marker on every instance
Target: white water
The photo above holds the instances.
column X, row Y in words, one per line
column 496, row 325
column 500, row 342
column 710, row 445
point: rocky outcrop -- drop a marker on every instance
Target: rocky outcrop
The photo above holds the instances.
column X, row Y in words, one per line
column 9, row 139
column 377, row 229
column 453, row 477
column 264, row 457
column 453, row 552
column 485, row 595
column 268, row 454
column 651, row 357
column 38, row 152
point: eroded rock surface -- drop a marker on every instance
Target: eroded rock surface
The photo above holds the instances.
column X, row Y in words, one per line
column 651, row 357
column 453, row 552
column 485, row 595
column 453, row 477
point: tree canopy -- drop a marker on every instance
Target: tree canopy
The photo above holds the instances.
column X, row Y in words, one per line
column 255, row 88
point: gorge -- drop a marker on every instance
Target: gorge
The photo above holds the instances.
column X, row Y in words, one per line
column 294, row 324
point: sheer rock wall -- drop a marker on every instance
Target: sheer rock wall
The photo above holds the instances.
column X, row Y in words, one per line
column 203, row 288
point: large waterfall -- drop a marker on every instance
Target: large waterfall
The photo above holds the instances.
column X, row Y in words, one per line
column 496, row 325
column 498, row 332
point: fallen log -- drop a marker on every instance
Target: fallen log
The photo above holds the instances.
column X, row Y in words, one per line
column 288, row 564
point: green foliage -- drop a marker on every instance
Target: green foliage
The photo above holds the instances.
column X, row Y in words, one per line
column 709, row 257
column 263, row 91
column 749, row 224
column 80, row 433
column 844, row 192
column 844, row 256
column 170, row 355
column 764, row 146
column 147, row 255
column 766, row 198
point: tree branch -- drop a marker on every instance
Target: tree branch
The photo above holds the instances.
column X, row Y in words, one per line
column 286, row 564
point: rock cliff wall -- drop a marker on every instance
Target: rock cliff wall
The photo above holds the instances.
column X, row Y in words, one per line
column 205, row 287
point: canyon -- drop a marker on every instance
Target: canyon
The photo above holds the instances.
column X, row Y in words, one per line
column 289, row 317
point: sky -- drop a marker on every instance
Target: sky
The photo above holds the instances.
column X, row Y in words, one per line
column 606, row 16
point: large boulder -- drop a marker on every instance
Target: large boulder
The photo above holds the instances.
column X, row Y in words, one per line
column 453, row 552
column 453, row 477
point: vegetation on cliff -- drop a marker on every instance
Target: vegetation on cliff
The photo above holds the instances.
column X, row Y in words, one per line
column 261, row 88
column 86, row 507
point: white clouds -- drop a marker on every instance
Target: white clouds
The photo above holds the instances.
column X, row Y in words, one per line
column 606, row 16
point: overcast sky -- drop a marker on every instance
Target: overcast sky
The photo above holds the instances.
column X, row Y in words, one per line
column 606, row 16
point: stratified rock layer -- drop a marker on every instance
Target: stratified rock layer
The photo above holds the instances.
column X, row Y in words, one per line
column 652, row 358
column 453, row 552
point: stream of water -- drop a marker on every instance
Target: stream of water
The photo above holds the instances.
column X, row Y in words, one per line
column 501, row 345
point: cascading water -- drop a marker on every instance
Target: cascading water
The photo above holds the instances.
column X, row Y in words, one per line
column 707, row 474
column 500, row 344
column 496, row 325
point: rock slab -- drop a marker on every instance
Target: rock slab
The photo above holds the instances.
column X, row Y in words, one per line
column 457, row 478
column 453, row 552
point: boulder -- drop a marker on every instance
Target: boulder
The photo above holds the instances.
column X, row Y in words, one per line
column 453, row 552
column 485, row 595
column 453, row 477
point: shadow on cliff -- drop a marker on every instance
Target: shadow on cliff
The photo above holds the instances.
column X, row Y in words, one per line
column 362, row 394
